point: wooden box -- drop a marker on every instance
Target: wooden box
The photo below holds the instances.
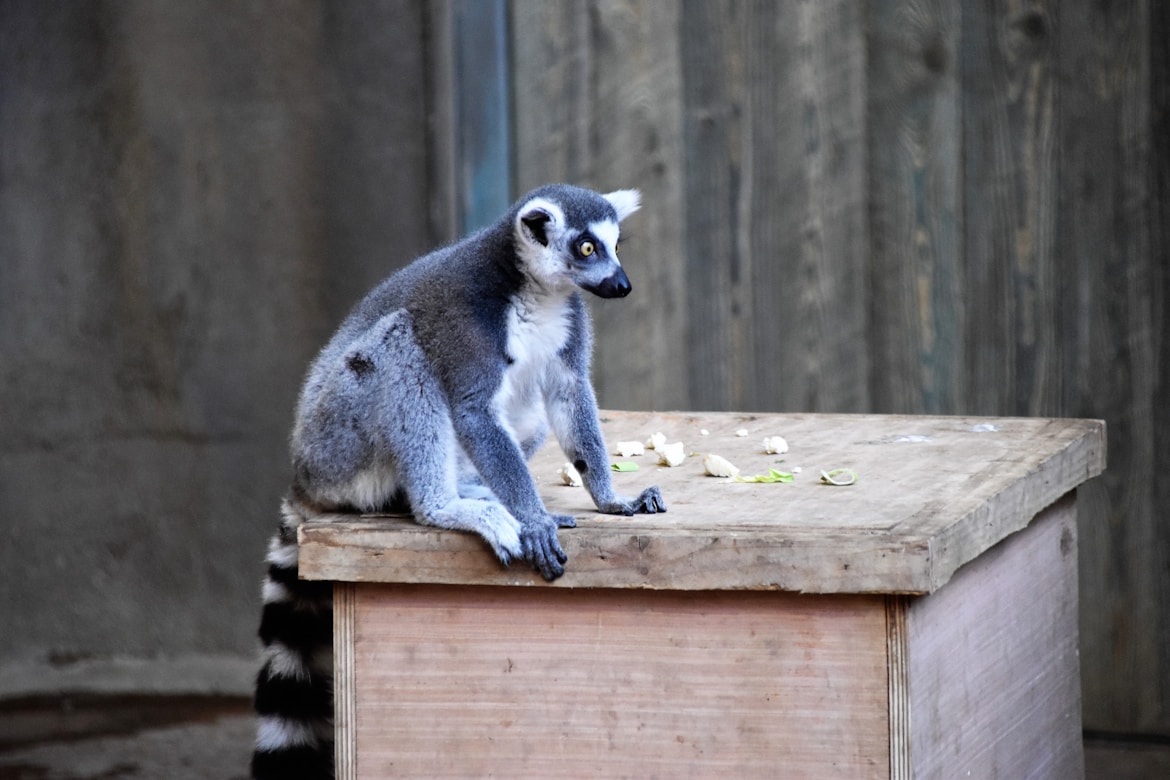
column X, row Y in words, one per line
column 921, row 622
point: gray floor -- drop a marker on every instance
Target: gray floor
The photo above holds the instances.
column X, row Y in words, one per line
column 185, row 740
column 180, row 739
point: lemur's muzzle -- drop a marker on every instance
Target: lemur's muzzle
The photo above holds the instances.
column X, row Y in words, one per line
column 616, row 285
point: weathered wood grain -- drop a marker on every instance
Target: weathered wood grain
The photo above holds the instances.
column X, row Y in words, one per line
column 713, row 162
column 809, row 290
column 1010, row 186
column 1112, row 338
column 774, row 99
column 552, row 84
column 933, row 494
column 459, row 682
column 992, row 671
column 1159, row 40
column 598, row 94
column 915, row 205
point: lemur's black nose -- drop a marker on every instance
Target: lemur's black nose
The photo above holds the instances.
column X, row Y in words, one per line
column 616, row 285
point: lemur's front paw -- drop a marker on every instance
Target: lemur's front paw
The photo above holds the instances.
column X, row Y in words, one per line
column 542, row 549
column 565, row 521
column 649, row 502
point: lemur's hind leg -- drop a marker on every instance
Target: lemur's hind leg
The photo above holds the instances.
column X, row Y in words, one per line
column 414, row 427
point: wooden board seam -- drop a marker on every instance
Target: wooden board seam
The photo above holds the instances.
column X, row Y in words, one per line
column 344, row 681
column 901, row 741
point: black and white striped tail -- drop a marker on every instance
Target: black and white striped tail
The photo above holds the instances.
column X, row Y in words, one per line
column 294, row 691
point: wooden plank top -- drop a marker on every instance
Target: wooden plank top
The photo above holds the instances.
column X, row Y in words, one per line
column 932, row 494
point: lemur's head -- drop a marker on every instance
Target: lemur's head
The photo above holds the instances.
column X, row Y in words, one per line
column 569, row 236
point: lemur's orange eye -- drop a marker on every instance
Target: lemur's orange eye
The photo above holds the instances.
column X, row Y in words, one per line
column 586, row 248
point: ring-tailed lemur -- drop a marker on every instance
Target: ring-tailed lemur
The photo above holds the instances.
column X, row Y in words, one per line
column 432, row 394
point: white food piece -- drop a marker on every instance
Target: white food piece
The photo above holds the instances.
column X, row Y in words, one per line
column 704, row 432
column 796, row 469
column 775, row 445
column 656, row 441
column 742, row 432
column 671, row 454
column 718, row 466
column 569, row 475
column 629, row 448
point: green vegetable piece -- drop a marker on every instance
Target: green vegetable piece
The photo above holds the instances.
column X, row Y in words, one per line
column 773, row 475
column 839, row 477
column 624, row 465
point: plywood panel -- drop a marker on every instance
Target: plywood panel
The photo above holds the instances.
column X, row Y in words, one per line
column 453, row 682
column 345, row 722
column 993, row 673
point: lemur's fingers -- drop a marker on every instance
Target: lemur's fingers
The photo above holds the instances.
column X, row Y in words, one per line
column 565, row 521
column 650, row 501
column 543, row 551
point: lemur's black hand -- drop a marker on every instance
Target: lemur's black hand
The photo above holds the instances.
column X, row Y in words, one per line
column 542, row 549
column 648, row 502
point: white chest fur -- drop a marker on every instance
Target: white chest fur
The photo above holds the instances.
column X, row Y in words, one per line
column 538, row 328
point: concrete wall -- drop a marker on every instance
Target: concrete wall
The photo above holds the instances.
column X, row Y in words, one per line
column 191, row 196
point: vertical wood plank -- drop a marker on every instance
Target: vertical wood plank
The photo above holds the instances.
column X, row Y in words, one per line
column 812, row 352
column 482, row 111
column 598, row 99
column 551, row 86
column 713, row 96
column 1159, row 41
column 439, row 80
column 1010, row 186
column 1111, row 329
column 916, row 317
column 642, row 349
column 775, row 190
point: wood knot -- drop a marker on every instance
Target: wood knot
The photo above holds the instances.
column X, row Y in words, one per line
column 1033, row 24
column 935, row 56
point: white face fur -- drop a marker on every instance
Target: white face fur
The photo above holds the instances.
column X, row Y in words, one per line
column 558, row 263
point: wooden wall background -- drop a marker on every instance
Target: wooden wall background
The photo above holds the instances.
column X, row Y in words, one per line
column 936, row 206
column 911, row 206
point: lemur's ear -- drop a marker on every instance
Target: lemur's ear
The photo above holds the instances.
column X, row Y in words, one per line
column 624, row 202
column 535, row 217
